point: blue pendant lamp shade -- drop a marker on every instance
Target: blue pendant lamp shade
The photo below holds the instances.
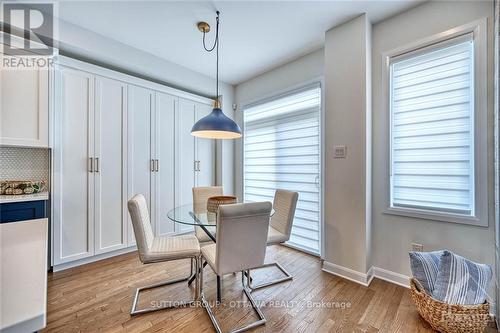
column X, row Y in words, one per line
column 216, row 126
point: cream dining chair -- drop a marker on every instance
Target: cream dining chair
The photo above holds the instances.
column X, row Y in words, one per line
column 240, row 245
column 200, row 198
column 161, row 249
column 201, row 195
column 280, row 228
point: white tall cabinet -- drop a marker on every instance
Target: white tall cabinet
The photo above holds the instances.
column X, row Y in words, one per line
column 89, row 154
column 194, row 157
column 116, row 136
column 151, row 150
column 140, row 107
column 204, row 150
column 73, row 184
column 110, row 171
column 164, row 161
column 185, row 157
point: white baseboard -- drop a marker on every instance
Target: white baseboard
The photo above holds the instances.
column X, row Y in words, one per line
column 366, row 278
column 67, row 265
column 392, row 277
column 347, row 273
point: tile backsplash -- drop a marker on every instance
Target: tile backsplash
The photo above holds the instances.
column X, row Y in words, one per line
column 24, row 163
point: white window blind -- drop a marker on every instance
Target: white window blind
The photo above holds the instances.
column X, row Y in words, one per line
column 432, row 146
column 282, row 151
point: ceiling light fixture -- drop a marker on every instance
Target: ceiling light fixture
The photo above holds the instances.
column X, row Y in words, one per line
column 216, row 125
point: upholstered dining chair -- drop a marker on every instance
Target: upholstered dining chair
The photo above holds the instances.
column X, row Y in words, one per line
column 200, row 198
column 240, row 245
column 280, row 228
column 161, row 249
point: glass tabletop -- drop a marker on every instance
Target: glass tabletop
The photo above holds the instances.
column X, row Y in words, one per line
column 185, row 215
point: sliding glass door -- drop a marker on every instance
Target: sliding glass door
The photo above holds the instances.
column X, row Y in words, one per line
column 282, row 150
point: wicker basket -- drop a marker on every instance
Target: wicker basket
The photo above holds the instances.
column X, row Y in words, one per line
column 213, row 203
column 449, row 318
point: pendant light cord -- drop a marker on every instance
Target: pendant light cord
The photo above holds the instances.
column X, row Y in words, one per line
column 216, row 47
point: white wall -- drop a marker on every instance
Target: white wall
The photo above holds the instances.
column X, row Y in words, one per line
column 392, row 235
column 296, row 72
column 347, row 123
column 92, row 47
column 305, row 69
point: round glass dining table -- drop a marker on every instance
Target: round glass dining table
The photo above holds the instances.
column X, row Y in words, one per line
column 206, row 220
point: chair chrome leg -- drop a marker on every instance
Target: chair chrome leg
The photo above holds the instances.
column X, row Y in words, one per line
column 261, row 321
column 170, row 304
column 287, row 277
column 210, row 313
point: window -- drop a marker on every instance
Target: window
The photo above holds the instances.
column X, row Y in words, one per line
column 437, row 131
column 282, row 149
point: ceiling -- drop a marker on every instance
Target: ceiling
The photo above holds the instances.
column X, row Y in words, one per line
column 255, row 36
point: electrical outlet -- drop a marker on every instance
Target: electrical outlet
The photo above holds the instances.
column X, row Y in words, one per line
column 417, row 247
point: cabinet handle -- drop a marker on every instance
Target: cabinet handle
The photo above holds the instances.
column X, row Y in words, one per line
column 157, row 166
column 97, row 164
column 152, row 165
column 91, row 164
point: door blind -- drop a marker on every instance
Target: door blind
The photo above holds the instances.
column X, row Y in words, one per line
column 282, row 151
column 432, row 129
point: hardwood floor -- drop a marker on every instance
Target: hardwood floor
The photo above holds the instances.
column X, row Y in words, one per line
column 97, row 298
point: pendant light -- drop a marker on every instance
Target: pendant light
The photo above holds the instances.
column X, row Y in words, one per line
column 216, row 125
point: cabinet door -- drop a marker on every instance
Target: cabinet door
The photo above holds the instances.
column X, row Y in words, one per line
column 73, row 176
column 205, row 152
column 184, row 157
column 24, row 104
column 110, row 175
column 140, row 107
column 164, row 147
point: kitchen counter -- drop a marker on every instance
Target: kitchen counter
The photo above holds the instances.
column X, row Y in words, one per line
column 23, row 258
column 24, row 197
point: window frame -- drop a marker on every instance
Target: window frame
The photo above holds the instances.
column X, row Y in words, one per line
column 478, row 29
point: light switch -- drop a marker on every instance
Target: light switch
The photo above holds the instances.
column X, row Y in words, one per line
column 340, row 152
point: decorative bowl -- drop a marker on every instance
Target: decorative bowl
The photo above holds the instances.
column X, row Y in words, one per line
column 213, row 203
column 18, row 187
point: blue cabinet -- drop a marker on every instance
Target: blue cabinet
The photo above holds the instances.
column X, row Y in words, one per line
column 21, row 211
